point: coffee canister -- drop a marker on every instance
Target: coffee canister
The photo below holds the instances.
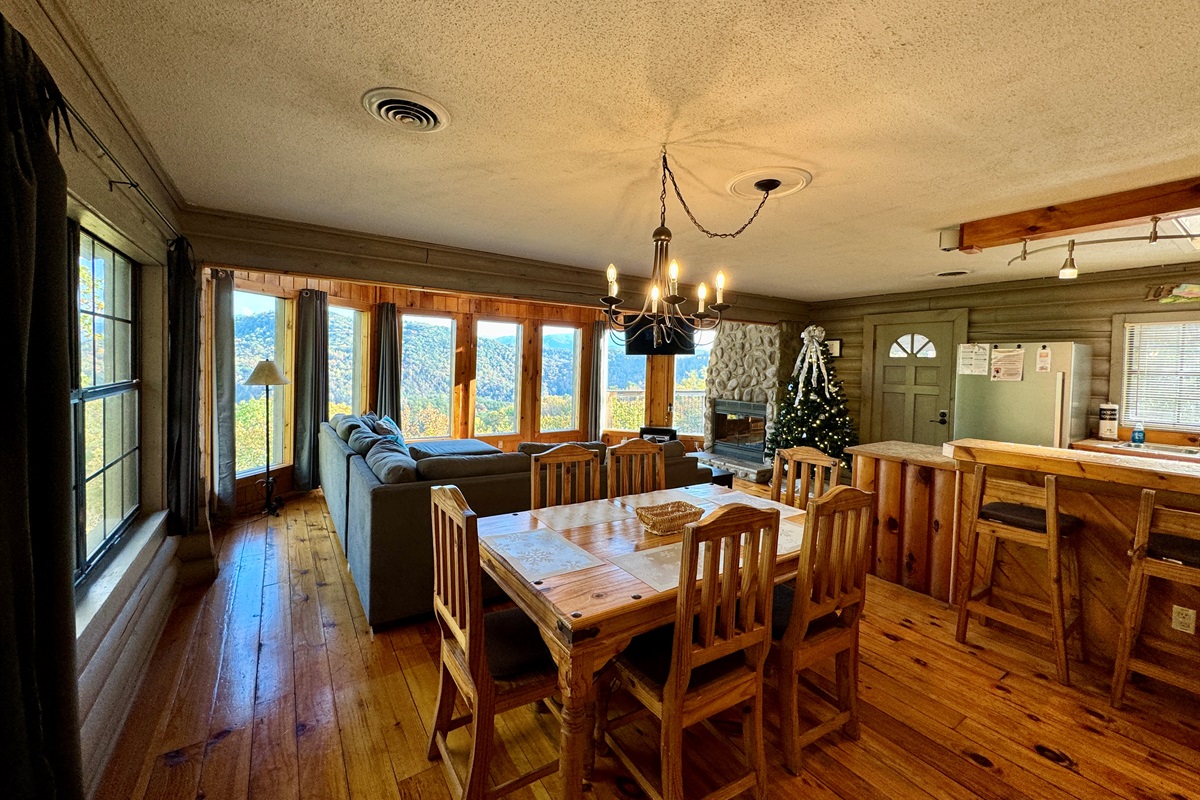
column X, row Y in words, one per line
column 1108, row 421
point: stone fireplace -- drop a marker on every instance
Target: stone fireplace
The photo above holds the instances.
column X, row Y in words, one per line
column 749, row 366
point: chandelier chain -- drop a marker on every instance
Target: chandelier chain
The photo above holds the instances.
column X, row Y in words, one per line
column 710, row 234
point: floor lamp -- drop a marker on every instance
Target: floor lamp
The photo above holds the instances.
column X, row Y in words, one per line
column 267, row 374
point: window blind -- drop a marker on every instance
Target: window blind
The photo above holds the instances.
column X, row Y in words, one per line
column 1162, row 375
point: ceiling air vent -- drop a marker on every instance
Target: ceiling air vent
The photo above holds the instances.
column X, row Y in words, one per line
column 406, row 110
column 952, row 273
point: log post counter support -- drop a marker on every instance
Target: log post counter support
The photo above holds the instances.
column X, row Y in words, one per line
column 915, row 520
column 1104, row 490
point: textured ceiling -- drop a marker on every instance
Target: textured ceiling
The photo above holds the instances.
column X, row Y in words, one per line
column 912, row 115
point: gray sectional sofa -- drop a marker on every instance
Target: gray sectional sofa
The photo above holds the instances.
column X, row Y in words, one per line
column 378, row 495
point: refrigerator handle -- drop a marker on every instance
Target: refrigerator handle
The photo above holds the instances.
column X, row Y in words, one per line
column 1059, row 382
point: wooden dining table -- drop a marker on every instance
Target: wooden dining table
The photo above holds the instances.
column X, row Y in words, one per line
column 592, row 577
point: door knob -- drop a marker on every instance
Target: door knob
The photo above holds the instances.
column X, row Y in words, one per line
column 941, row 420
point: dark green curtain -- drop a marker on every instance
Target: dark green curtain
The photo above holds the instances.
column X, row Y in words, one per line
column 224, row 396
column 38, row 693
column 599, row 351
column 387, row 355
column 183, row 389
column 311, row 391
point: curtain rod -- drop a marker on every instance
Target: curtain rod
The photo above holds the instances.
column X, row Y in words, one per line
column 129, row 181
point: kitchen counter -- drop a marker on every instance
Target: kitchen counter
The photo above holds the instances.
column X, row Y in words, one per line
column 1104, row 465
column 915, row 513
column 1103, row 488
column 1106, row 446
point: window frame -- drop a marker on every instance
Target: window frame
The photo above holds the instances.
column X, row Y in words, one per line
column 1116, row 382
column 285, row 363
column 712, row 337
column 578, row 393
column 364, row 323
column 601, row 391
column 80, row 395
column 520, row 399
column 456, row 321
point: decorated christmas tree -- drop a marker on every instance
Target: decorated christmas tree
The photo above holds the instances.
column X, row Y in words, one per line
column 813, row 412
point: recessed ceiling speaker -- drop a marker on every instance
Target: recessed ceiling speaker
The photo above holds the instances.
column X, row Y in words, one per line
column 407, row 110
column 779, row 181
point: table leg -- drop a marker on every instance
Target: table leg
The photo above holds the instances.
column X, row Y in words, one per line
column 576, row 752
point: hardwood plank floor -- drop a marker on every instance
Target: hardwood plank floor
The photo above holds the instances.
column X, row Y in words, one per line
column 269, row 684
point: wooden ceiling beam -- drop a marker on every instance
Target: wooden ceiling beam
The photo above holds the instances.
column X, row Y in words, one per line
column 1080, row 216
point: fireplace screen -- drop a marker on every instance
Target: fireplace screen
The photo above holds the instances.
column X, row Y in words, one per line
column 739, row 429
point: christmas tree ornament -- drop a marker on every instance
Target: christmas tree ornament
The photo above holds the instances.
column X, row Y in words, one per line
column 812, row 358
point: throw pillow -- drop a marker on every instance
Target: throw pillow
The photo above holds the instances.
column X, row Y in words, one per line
column 347, row 425
column 397, row 440
column 388, row 427
column 362, row 440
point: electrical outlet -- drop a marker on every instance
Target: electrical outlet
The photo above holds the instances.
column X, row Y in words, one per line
column 1183, row 619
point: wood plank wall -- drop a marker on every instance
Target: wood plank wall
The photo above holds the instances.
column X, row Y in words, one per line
column 1032, row 310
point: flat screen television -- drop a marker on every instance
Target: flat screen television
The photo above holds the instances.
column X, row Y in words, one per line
column 639, row 341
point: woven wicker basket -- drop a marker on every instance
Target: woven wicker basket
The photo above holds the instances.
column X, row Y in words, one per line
column 669, row 518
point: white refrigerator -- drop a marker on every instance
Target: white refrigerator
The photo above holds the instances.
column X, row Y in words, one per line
column 1026, row 393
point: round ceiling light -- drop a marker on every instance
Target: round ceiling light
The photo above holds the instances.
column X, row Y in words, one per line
column 407, row 110
column 752, row 183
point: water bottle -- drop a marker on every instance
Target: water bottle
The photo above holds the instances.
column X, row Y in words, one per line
column 1138, row 437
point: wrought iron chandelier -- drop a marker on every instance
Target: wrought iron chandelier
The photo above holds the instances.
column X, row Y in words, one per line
column 662, row 309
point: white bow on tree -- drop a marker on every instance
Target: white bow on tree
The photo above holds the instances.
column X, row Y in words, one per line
column 812, row 359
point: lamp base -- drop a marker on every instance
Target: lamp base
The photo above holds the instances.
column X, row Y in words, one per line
column 271, row 504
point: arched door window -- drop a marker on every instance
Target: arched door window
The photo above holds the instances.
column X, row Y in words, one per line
column 912, row 344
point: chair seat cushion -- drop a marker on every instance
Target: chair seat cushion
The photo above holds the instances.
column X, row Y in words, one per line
column 514, row 646
column 650, row 654
column 781, row 613
column 1174, row 548
column 1030, row 518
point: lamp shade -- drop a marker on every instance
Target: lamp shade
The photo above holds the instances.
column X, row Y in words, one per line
column 266, row 374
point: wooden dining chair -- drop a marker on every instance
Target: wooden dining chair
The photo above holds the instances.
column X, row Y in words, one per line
column 711, row 659
column 818, row 616
column 495, row 662
column 636, row 466
column 1166, row 546
column 564, row 474
column 809, row 466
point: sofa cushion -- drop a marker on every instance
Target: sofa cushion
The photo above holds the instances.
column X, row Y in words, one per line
column 391, row 462
column 387, row 426
column 347, row 425
column 674, row 449
column 438, row 468
column 335, row 419
column 362, row 440
column 536, row 448
column 450, row 447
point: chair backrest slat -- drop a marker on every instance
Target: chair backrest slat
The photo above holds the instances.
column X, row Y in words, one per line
column 833, row 560
column 457, row 595
column 809, row 466
column 564, row 474
column 635, row 467
column 735, row 549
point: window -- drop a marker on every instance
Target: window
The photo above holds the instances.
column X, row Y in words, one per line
column 624, row 397
column 497, row 375
column 690, row 374
column 912, row 344
column 347, row 361
column 1162, row 375
column 259, row 332
column 105, row 401
column 560, row 379
column 426, row 375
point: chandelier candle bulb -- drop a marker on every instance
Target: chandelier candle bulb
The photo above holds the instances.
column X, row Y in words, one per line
column 720, row 287
column 654, row 299
column 673, row 272
column 612, row 280
column 702, row 293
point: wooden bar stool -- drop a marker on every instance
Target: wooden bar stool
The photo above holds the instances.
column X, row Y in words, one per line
column 1025, row 515
column 807, row 464
column 1166, row 545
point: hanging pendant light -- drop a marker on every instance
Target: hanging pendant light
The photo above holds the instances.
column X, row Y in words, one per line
column 1069, row 271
